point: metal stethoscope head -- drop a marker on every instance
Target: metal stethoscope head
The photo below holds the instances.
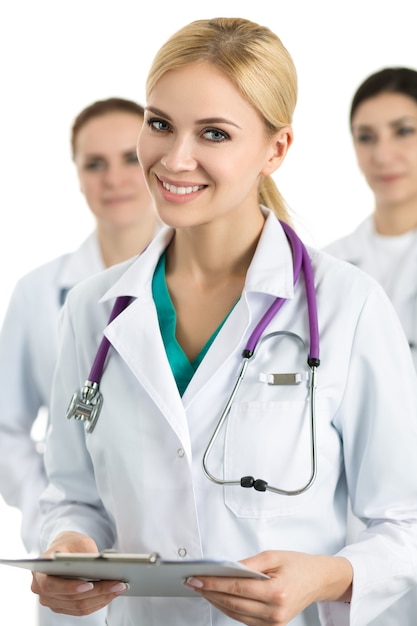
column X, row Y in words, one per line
column 249, row 481
column 85, row 404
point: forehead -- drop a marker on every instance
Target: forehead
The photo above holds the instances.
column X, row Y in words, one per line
column 199, row 91
column 384, row 109
column 114, row 129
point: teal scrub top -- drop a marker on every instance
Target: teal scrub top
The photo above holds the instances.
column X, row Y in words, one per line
column 182, row 369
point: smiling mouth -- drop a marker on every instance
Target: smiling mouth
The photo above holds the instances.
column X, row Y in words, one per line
column 182, row 191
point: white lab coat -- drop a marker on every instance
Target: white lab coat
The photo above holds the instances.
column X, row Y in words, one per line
column 136, row 483
column 28, row 352
column 357, row 248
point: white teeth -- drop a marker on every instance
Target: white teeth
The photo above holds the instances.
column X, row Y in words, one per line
column 181, row 190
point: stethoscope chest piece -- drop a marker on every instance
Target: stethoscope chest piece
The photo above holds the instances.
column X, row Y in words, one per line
column 85, row 405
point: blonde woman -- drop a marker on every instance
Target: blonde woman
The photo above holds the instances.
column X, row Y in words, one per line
column 181, row 461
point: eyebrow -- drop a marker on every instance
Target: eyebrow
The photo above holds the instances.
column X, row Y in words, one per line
column 393, row 123
column 100, row 155
column 205, row 120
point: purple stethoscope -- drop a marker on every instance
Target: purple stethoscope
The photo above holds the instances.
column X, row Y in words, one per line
column 85, row 404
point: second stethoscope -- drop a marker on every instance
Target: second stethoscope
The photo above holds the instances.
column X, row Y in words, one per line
column 85, row 404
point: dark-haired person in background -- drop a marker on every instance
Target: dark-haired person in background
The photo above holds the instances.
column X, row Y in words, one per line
column 383, row 121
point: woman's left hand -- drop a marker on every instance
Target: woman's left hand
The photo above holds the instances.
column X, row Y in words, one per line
column 296, row 581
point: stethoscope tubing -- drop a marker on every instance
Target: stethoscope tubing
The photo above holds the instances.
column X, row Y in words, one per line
column 249, row 481
column 301, row 261
column 85, row 405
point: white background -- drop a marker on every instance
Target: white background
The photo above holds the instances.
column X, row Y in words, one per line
column 58, row 56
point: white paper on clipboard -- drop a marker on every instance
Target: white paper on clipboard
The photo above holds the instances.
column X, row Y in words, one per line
column 147, row 574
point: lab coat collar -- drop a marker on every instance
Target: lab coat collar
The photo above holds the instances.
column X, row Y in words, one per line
column 363, row 233
column 270, row 273
column 271, row 269
column 359, row 249
column 84, row 261
column 77, row 265
column 137, row 278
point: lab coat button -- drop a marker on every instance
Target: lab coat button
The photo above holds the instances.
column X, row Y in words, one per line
column 180, row 452
column 182, row 552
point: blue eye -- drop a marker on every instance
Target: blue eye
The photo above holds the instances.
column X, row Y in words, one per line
column 158, row 124
column 216, row 135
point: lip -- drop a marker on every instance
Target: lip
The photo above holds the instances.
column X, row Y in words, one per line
column 179, row 192
column 179, row 183
column 389, row 178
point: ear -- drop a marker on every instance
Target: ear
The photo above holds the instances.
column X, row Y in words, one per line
column 280, row 144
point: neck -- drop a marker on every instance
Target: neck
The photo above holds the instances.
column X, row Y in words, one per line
column 119, row 245
column 396, row 220
column 215, row 251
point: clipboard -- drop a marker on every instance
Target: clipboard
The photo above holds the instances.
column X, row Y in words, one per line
column 147, row 574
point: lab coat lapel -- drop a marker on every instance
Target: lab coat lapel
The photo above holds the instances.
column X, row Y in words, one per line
column 140, row 345
column 74, row 269
column 221, row 351
column 270, row 275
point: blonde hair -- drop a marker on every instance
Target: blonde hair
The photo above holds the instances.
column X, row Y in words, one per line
column 255, row 61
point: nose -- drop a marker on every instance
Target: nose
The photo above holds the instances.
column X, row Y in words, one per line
column 384, row 151
column 179, row 156
column 114, row 175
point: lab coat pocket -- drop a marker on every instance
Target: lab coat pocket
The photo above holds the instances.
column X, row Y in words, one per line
column 272, row 442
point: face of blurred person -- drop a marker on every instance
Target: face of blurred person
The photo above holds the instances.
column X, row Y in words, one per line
column 384, row 129
column 109, row 174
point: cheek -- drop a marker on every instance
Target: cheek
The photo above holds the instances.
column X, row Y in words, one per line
column 81, row 181
column 412, row 155
column 242, row 171
column 146, row 153
column 140, row 182
column 90, row 189
column 88, row 181
column 363, row 160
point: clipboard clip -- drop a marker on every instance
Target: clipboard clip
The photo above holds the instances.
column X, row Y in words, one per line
column 107, row 555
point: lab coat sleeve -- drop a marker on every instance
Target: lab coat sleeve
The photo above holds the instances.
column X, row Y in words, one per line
column 22, row 474
column 377, row 421
column 71, row 501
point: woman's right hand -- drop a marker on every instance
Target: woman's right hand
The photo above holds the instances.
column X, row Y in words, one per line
column 71, row 596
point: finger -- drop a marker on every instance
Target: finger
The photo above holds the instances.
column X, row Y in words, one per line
column 62, row 587
column 241, row 587
column 250, row 612
column 82, row 604
column 262, row 562
column 76, row 607
column 240, row 598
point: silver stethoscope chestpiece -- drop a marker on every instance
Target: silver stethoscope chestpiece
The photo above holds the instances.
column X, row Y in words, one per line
column 85, row 405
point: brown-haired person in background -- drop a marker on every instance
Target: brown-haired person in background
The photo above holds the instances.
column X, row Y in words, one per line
column 103, row 144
